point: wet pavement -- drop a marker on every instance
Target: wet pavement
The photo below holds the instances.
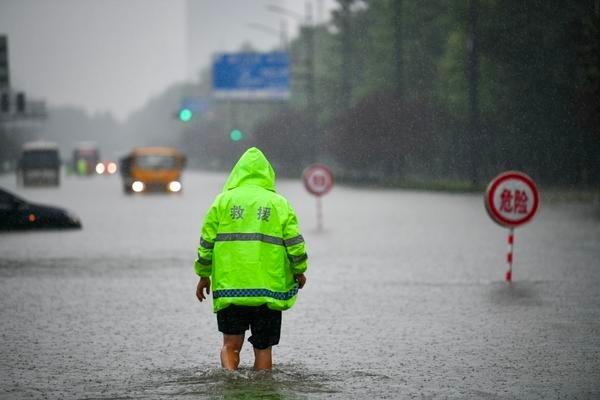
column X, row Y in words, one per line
column 405, row 299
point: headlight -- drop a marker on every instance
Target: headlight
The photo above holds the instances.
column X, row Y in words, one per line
column 174, row 186
column 111, row 168
column 100, row 168
column 137, row 186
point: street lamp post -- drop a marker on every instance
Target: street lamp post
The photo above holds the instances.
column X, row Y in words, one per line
column 473, row 93
column 306, row 22
column 281, row 33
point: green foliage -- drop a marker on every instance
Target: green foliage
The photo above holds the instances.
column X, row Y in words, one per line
column 530, row 76
column 388, row 135
column 392, row 94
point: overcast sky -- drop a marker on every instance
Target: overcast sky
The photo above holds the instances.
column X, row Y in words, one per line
column 113, row 55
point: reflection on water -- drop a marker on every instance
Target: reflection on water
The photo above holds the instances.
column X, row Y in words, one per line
column 284, row 382
column 523, row 293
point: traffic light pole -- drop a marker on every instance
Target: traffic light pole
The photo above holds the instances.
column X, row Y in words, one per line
column 311, row 111
column 310, row 85
column 473, row 81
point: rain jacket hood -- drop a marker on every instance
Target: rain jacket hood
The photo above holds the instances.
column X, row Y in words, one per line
column 252, row 168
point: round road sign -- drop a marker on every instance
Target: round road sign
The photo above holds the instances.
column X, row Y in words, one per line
column 318, row 179
column 512, row 199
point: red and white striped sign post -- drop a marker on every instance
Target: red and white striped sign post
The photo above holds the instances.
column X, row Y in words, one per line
column 511, row 200
column 318, row 181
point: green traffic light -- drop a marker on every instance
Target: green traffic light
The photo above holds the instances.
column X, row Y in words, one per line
column 236, row 135
column 185, row 115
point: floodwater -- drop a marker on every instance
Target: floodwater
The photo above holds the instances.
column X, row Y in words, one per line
column 405, row 299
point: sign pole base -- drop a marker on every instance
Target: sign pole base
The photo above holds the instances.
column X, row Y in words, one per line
column 509, row 255
column 319, row 215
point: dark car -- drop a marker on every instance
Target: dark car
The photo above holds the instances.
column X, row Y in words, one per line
column 16, row 213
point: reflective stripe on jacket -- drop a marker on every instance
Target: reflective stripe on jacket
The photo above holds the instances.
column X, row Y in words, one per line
column 250, row 242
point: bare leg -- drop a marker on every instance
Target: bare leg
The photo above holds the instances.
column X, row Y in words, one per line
column 262, row 359
column 230, row 353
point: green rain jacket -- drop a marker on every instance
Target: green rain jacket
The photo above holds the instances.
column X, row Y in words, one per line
column 250, row 243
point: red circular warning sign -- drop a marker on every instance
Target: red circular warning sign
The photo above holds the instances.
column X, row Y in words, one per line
column 512, row 199
column 318, row 179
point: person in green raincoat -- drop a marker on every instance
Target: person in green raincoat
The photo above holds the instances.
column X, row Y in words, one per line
column 253, row 254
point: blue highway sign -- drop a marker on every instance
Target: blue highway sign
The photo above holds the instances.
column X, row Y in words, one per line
column 251, row 76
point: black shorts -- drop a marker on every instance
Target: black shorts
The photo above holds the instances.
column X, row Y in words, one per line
column 264, row 323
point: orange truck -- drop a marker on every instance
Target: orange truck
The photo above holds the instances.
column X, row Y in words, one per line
column 152, row 169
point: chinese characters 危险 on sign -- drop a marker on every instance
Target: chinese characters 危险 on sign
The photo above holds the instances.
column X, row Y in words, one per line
column 512, row 199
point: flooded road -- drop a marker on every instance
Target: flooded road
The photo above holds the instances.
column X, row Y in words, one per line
column 405, row 299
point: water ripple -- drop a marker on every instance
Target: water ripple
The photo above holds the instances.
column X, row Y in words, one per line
column 284, row 382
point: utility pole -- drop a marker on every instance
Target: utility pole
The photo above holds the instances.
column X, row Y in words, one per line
column 398, row 53
column 346, row 54
column 310, row 83
column 473, row 82
column 281, row 33
column 308, row 32
column 310, row 58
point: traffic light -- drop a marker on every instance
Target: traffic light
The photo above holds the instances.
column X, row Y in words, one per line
column 236, row 135
column 21, row 104
column 185, row 115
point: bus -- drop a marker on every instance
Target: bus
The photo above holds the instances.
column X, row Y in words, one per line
column 39, row 164
column 152, row 169
column 85, row 158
